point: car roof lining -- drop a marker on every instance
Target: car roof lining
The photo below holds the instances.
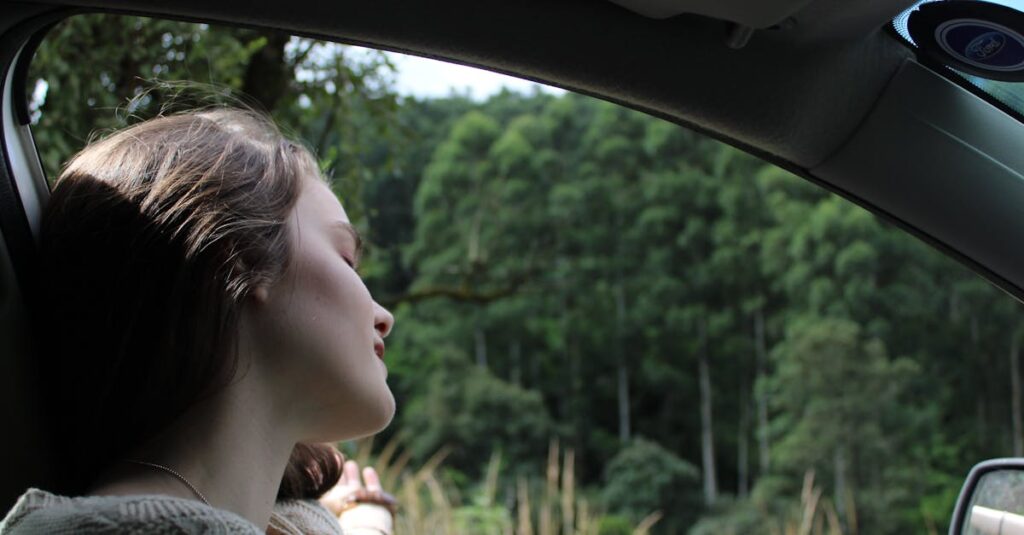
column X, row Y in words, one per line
column 762, row 14
column 789, row 95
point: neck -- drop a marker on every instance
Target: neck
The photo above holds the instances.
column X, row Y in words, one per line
column 230, row 447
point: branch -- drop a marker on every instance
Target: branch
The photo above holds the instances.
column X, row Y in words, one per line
column 301, row 56
column 462, row 294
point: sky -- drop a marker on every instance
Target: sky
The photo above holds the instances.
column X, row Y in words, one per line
column 424, row 78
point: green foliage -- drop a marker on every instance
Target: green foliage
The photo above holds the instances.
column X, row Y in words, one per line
column 337, row 102
column 645, row 477
column 614, row 525
column 466, row 408
column 121, row 55
column 829, row 371
column 736, row 518
column 491, row 520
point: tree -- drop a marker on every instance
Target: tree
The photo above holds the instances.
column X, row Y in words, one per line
column 644, row 477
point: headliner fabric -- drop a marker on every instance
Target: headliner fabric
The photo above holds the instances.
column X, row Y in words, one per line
column 761, row 14
column 791, row 95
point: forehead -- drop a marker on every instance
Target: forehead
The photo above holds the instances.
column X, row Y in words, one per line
column 318, row 204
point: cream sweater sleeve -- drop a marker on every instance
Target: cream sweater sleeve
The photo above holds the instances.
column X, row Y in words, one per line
column 308, row 517
column 38, row 512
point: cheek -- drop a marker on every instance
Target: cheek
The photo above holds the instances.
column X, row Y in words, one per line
column 332, row 311
column 338, row 296
column 334, row 366
column 290, row 306
column 323, row 360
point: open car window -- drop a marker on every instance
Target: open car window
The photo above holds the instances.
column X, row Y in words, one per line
column 604, row 322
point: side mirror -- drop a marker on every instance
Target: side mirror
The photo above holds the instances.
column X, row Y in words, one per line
column 991, row 501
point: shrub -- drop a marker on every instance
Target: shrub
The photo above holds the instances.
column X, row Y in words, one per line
column 614, row 525
column 644, row 477
column 475, row 413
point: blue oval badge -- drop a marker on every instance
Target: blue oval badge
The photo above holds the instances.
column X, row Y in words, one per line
column 983, row 44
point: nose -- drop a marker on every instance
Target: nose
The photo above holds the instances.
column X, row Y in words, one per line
column 383, row 321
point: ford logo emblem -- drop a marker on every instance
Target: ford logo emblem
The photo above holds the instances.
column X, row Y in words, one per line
column 985, row 46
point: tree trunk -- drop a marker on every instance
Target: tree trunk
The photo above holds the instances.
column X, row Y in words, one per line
column 623, row 380
column 332, row 117
column 516, row 355
column 267, row 75
column 480, row 342
column 839, row 498
column 742, row 446
column 623, row 372
column 566, row 404
column 706, row 431
column 1018, row 432
column 760, row 347
column 981, row 435
column 580, row 422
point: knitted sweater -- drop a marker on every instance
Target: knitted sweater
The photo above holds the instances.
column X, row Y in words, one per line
column 39, row 512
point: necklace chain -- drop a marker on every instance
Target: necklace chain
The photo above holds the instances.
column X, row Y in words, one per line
column 173, row 473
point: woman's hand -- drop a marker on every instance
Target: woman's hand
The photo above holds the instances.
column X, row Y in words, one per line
column 358, row 507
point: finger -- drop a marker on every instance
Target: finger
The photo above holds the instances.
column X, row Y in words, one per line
column 371, row 478
column 341, row 460
column 333, row 501
column 352, row 474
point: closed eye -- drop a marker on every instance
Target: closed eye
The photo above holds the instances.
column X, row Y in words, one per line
column 350, row 232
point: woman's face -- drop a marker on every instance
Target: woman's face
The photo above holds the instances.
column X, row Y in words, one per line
column 320, row 332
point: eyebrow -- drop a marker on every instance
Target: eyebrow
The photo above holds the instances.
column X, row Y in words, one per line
column 355, row 236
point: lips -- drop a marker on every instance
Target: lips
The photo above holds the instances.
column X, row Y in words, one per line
column 378, row 348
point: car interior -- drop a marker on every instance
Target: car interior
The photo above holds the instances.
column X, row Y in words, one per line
column 827, row 90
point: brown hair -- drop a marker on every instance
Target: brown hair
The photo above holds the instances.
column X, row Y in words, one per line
column 152, row 239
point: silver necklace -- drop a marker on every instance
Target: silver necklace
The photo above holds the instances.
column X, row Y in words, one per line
column 173, row 473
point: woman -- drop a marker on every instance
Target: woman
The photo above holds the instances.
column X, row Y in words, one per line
column 204, row 331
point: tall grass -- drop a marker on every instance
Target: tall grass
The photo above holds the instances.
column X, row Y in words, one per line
column 429, row 505
column 816, row 515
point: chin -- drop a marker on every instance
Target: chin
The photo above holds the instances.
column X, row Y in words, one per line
column 371, row 419
column 387, row 414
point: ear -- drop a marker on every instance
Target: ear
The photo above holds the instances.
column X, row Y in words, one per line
column 260, row 294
